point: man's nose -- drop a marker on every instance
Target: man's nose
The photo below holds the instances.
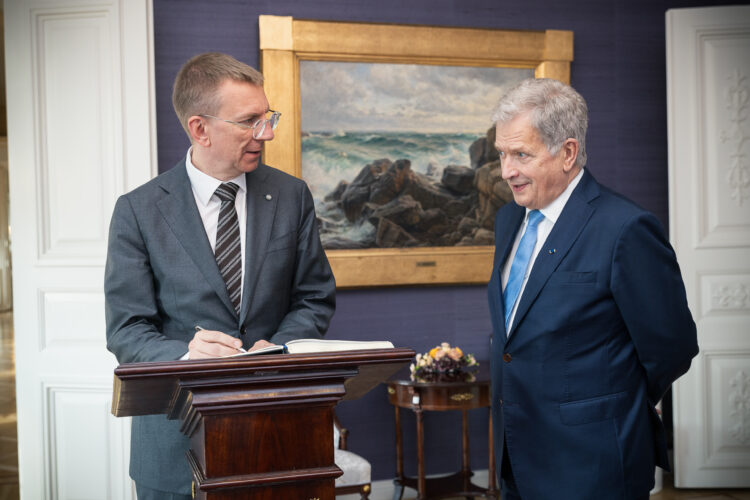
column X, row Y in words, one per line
column 267, row 134
column 507, row 169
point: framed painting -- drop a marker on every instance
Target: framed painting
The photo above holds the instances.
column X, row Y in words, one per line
column 389, row 125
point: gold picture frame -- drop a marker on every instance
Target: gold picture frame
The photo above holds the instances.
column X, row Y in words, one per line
column 284, row 41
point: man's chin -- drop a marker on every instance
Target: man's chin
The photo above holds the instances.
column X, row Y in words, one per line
column 520, row 200
column 249, row 166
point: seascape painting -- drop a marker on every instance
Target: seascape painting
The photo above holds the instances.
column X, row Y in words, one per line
column 402, row 155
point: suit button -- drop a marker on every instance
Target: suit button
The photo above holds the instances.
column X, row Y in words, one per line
column 507, row 357
column 243, row 331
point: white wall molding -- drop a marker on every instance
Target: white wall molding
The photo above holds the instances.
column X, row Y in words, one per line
column 76, row 90
column 723, row 293
column 71, row 318
column 728, row 421
column 77, row 466
column 737, row 135
column 722, row 103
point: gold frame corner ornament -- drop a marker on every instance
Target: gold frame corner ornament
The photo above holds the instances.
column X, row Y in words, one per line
column 284, row 41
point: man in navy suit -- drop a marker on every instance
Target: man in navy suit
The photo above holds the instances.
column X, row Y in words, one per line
column 163, row 279
column 589, row 313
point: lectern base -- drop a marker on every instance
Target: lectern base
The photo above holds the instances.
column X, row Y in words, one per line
column 313, row 490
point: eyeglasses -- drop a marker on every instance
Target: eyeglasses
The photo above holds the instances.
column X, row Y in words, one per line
column 258, row 127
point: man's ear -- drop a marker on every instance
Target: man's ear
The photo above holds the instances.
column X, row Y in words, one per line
column 569, row 151
column 198, row 133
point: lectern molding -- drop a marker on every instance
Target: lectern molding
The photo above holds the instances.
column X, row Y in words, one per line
column 252, row 480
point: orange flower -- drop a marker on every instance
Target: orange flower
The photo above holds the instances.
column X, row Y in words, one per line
column 455, row 354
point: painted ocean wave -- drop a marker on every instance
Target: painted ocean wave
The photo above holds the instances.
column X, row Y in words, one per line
column 328, row 158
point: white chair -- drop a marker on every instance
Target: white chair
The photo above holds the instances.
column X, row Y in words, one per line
column 357, row 470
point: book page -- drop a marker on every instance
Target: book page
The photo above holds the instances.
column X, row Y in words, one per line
column 302, row 346
column 320, row 345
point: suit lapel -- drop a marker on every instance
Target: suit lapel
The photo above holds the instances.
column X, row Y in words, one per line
column 262, row 199
column 568, row 227
column 179, row 210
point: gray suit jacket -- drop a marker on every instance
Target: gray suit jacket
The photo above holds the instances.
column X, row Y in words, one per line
column 161, row 279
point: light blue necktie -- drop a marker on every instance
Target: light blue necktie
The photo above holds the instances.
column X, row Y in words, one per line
column 520, row 263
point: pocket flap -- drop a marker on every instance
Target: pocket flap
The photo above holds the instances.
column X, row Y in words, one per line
column 594, row 409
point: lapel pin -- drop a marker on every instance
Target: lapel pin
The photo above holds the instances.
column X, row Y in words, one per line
column 268, row 197
column 552, row 251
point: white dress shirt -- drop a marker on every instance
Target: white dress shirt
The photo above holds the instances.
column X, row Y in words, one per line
column 204, row 187
column 551, row 213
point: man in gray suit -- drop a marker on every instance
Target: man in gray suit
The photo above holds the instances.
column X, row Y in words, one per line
column 162, row 279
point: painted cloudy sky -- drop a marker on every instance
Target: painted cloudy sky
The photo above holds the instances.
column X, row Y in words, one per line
column 341, row 96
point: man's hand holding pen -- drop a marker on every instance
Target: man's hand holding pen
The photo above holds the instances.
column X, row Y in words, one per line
column 213, row 344
column 216, row 344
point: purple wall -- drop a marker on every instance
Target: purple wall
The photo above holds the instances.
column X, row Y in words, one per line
column 619, row 68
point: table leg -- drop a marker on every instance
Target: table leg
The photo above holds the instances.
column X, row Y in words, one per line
column 492, row 476
column 421, row 483
column 399, row 446
column 398, row 483
column 465, row 466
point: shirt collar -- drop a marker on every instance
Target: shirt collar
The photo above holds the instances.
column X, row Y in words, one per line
column 554, row 209
column 203, row 184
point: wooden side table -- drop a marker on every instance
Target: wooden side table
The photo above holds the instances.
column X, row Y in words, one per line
column 464, row 393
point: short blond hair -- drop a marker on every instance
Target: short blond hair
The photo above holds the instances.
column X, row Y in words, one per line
column 197, row 82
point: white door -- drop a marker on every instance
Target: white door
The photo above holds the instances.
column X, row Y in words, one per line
column 80, row 127
column 708, row 80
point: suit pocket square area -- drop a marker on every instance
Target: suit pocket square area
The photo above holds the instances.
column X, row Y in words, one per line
column 594, row 409
column 573, row 277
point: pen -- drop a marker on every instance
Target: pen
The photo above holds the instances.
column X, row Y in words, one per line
column 199, row 328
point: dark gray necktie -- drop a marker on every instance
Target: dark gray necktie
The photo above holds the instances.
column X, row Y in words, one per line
column 228, row 251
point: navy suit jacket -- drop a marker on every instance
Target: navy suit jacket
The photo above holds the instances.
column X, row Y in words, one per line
column 601, row 331
column 161, row 279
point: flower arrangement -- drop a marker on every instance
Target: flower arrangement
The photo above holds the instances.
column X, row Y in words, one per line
column 442, row 359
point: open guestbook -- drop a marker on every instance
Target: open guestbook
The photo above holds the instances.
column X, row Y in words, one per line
column 304, row 346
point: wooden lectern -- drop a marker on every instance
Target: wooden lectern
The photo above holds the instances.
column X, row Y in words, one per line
column 261, row 427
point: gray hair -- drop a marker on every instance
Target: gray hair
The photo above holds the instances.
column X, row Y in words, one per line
column 556, row 110
column 196, row 85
